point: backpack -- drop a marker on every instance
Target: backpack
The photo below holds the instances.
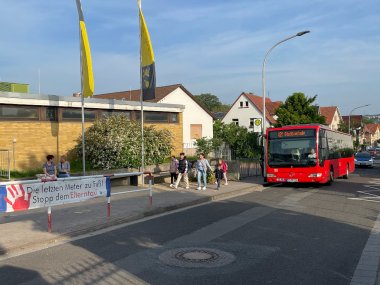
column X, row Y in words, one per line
column 189, row 165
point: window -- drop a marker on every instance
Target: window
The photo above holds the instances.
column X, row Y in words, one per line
column 195, row 131
column 156, row 117
column 246, row 104
column 51, row 114
column 174, row 118
column 241, row 104
column 339, row 145
column 235, row 121
column 19, row 113
column 76, row 115
column 106, row 114
column 292, row 148
column 251, row 122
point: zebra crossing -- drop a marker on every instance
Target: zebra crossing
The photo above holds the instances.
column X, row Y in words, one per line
column 371, row 192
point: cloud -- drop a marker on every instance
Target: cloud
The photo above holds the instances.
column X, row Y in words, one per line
column 212, row 46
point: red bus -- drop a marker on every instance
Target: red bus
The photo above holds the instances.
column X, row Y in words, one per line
column 307, row 153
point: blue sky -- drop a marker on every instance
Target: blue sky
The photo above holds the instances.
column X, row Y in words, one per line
column 209, row 46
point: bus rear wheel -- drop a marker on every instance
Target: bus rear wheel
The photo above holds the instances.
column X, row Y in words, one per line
column 347, row 172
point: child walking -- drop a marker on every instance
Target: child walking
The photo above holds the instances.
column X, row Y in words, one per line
column 173, row 171
column 218, row 175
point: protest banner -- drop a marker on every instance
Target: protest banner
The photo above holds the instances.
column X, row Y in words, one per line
column 19, row 196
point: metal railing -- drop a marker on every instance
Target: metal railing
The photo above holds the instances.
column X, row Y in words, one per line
column 5, row 163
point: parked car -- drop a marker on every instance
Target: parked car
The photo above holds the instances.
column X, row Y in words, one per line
column 363, row 159
column 372, row 151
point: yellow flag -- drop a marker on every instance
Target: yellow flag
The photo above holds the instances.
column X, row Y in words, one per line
column 147, row 60
column 86, row 62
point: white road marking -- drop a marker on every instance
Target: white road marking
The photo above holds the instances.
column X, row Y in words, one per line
column 364, row 199
column 366, row 270
column 293, row 199
column 373, row 186
column 367, row 193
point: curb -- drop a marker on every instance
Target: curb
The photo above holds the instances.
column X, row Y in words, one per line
column 117, row 221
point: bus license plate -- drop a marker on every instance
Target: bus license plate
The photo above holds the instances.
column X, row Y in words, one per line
column 292, row 180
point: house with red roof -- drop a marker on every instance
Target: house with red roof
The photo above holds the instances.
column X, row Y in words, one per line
column 332, row 115
column 248, row 107
column 197, row 122
column 372, row 133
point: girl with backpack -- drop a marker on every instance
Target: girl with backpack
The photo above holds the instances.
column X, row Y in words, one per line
column 224, row 167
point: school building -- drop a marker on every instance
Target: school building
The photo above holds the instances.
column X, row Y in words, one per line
column 32, row 126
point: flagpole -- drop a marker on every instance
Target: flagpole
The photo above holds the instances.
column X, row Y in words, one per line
column 82, row 107
column 142, row 105
column 82, row 97
column 87, row 77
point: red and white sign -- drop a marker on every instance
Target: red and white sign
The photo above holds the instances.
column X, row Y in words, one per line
column 19, row 196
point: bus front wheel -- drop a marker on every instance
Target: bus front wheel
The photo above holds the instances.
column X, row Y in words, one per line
column 331, row 178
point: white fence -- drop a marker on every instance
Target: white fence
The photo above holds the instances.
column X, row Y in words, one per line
column 189, row 149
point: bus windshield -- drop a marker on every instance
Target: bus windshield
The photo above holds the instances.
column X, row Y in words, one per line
column 292, row 148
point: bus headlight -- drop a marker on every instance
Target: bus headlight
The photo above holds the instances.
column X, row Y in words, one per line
column 315, row 175
column 271, row 175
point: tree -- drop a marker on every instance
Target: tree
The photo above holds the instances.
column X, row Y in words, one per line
column 211, row 102
column 298, row 109
column 114, row 142
column 343, row 127
column 366, row 120
column 240, row 140
column 206, row 145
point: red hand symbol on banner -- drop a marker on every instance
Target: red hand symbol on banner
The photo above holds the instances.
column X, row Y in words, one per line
column 16, row 198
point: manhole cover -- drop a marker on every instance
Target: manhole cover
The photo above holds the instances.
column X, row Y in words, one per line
column 196, row 257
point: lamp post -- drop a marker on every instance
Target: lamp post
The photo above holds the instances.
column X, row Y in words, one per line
column 264, row 84
column 263, row 70
column 349, row 116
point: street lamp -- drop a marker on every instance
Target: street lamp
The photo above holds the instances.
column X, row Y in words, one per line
column 263, row 82
column 349, row 116
column 263, row 71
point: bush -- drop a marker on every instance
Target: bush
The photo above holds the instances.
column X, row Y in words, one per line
column 239, row 139
column 115, row 142
column 205, row 145
column 210, row 177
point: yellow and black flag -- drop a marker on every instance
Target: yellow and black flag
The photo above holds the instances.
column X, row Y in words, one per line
column 148, row 72
column 85, row 54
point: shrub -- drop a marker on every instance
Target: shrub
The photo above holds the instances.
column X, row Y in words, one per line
column 206, row 145
column 115, row 142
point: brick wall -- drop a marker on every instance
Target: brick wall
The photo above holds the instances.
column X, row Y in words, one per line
column 34, row 140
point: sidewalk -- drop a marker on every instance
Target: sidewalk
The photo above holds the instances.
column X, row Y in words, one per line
column 24, row 231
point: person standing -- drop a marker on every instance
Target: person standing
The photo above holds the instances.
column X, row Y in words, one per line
column 224, row 167
column 49, row 167
column 173, row 170
column 202, row 166
column 183, row 169
column 63, row 167
column 218, row 175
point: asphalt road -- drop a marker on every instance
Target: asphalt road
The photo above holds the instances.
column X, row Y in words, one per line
column 286, row 234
